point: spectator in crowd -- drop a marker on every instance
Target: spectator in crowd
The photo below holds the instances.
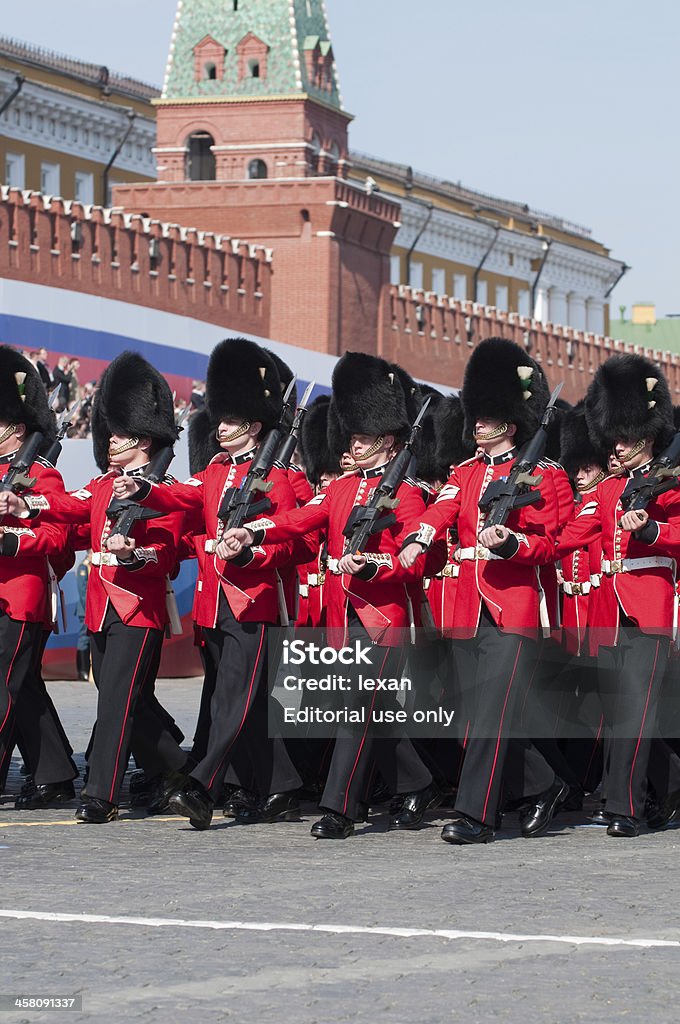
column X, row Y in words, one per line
column 62, row 381
column 198, row 394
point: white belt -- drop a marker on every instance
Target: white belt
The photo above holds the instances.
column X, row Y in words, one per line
column 575, row 589
column 314, row 579
column 450, row 571
column 476, row 554
column 104, row 558
column 210, row 546
column 332, row 564
column 611, row 568
column 304, row 590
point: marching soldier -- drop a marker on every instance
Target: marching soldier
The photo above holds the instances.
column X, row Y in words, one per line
column 498, row 596
column 126, row 614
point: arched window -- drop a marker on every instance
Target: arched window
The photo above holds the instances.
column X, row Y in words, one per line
column 210, row 71
column 200, row 158
column 257, row 169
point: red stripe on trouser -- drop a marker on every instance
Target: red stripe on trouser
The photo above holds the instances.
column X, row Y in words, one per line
column 500, row 730
column 642, row 726
column 125, row 718
column 9, row 673
column 245, row 711
column 361, row 745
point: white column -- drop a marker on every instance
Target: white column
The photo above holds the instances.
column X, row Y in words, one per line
column 542, row 307
column 577, row 311
column 558, row 306
column 595, row 316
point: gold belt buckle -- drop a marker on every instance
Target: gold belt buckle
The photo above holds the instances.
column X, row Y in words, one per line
column 481, row 553
column 576, row 589
column 617, row 566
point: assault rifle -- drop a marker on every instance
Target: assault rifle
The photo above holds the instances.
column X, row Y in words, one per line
column 124, row 511
column 289, row 443
column 16, row 478
column 520, row 487
column 366, row 520
column 661, row 477
column 242, row 503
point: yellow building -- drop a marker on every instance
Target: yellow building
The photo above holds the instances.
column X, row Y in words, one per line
column 69, row 128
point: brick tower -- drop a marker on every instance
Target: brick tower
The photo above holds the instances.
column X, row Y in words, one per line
column 252, row 142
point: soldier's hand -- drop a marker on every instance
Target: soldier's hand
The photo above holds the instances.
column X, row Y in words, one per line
column 228, row 549
column 237, row 538
column 351, row 564
column 11, row 504
column 125, row 486
column 122, row 547
column 409, row 554
column 634, row 520
column 493, row 536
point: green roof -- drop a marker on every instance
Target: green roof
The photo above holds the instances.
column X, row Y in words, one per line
column 664, row 334
column 288, row 27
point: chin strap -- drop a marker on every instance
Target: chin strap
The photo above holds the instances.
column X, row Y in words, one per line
column 635, row 450
column 131, row 442
column 370, row 452
column 7, row 432
column 593, row 483
column 491, row 435
column 235, row 434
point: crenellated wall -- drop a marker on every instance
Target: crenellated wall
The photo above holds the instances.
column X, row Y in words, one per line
column 432, row 337
column 117, row 255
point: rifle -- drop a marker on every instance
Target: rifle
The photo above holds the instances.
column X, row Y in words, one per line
column 123, row 511
column 63, row 423
column 16, row 478
column 519, row 488
column 661, row 477
column 289, row 443
column 366, row 520
column 240, row 504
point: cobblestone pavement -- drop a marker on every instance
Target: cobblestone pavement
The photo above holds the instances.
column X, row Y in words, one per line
column 574, row 882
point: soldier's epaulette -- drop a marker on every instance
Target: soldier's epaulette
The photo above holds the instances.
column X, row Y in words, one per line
column 295, row 469
column 43, row 462
column 467, row 462
column 169, row 479
column 413, row 483
column 549, row 464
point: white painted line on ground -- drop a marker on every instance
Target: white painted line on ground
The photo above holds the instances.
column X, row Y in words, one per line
column 338, row 929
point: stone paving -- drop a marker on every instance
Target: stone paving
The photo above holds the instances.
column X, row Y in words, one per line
column 573, row 882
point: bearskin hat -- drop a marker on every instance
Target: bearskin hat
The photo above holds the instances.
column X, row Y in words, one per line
column 503, row 383
column 414, row 394
column 452, row 447
column 203, row 445
column 242, row 383
column 134, row 400
column 576, row 446
column 286, row 375
column 628, row 400
column 23, row 398
column 315, row 451
column 368, row 398
column 425, row 449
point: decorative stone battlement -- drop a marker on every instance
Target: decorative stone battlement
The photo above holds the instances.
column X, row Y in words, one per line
column 432, row 336
column 126, row 256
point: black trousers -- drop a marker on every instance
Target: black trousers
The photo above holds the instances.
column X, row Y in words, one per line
column 503, row 665
column 19, row 649
column 630, row 676
column 123, row 661
column 238, row 711
column 357, row 749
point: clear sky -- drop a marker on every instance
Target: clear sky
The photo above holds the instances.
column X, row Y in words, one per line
column 570, row 107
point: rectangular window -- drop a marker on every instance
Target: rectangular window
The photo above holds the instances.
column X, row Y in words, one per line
column 460, row 286
column 49, row 179
column 416, row 275
column 482, row 293
column 502, row 297
column 524, row 302
column 395, row 269
column 439, row 280
column 15, row 170
column 84, row 188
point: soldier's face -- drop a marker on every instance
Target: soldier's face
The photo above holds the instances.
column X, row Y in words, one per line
column 631, row 454
column 14, row 436
column 123, row 451
column 586, row 476
column 490, row 432
column 369, row 451
column 236, row 436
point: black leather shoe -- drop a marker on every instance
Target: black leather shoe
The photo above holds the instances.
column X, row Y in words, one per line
column 535, row 818
column 192, row 802
column 238, row 801
column 414, row 807
column 668, row 811
column 333, row 826
column 161, row 791
column 600, row 816
column 623, row 826
column 96, row 812
column 464, row 830
column 276, row 807
column 49, row 794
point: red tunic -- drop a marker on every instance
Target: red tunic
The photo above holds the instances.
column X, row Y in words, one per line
column 381, row 602
column 509, row 587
